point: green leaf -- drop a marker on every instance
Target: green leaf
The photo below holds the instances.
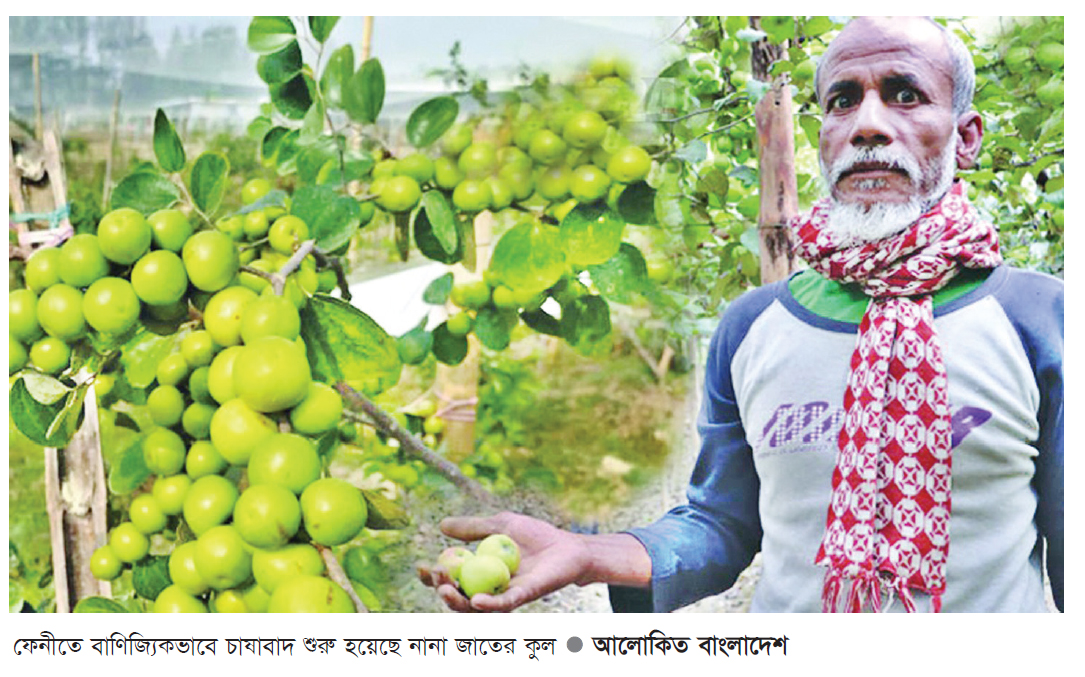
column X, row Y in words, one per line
column 637, row 204
column 436, row 292
column 542, row 322
column 98, row 605
column 586, row 322
column 430, row 120
column 364, row 94
column 441, row 220
column 811, row 126
column 292, row 98
column 337, row 75
column 146, row 192
column 493, row 327
column 591, row 234
column 127, row 470
column 622, row 276
column 286, row 153
column 427, row 241
column 142, row 353
column 258, row 128
column 312, row 127
column 35, row 419
column 151, row 576
column 415, row 345
column 167, row 145
column 384, row 513
column 321, row 27
column 402, row 222
column 694, row 152
column 448, row 348
column 280, row 66
column 816, row 25
column 313, row 160
column 208, row 181
column 358, row 166
column 345, row 344
column 269, row 146
column 529, row 257
column 332, row 218
column 273, row 198
column 713, row 181
column 43, row 388
column 269, row 34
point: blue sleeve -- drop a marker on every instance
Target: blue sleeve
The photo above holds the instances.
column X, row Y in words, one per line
column 700, row 548
column 1034, row 303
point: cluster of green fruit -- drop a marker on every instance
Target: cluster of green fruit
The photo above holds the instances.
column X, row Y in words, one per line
column 238, row 395
column 547, row 153
column 488, row 569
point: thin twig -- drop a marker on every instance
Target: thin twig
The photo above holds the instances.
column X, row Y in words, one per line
column 1033, row 160
column 278, row 280
column 412, row 446
column 336, row 573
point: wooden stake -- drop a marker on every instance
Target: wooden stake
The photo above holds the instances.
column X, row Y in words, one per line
column 367, row 37
column 779, row 191
column 776, row 151
column 459, row 383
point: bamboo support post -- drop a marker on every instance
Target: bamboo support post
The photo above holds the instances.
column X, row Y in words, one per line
column 75, row 485
column 367, row 37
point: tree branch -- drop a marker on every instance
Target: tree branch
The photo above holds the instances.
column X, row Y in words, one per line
column 411, row 445
column 336, row 573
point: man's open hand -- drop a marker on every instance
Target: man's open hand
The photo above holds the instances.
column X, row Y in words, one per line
column 550, row 560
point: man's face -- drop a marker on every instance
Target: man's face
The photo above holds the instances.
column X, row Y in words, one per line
column 888, row 134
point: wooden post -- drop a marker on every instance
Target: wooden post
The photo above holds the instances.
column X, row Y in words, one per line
column 75, row 494
column 459, row 383
column 779, row 190
column 107, row 183
column 367, row 37
column 75, row 485
column 776, row 153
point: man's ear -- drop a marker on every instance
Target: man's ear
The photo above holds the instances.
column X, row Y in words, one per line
column 969, row 139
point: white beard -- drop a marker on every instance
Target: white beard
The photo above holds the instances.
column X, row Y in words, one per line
column 856, row 223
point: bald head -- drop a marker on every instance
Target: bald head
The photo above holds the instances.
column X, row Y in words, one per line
column 945, row 50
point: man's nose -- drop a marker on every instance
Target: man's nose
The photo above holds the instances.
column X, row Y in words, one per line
column 872, row 126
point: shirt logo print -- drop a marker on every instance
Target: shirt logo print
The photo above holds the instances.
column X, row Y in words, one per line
column 793, row 426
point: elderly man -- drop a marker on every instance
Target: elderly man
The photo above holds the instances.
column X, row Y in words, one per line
column 884, row 427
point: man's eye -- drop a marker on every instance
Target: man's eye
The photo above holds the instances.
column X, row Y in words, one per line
column 842, row 101
column 905, row 96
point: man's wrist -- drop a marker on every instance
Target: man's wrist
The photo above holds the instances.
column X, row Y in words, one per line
column 614, row 559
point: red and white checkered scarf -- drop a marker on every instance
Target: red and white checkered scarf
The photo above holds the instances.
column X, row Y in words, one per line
column 888, row 521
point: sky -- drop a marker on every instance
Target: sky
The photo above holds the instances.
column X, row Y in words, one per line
column 409, row 47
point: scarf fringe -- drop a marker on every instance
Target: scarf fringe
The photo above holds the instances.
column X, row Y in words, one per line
column 865, row 593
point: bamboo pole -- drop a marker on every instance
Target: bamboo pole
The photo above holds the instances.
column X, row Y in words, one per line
column 75, row 485
column 367, row 37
